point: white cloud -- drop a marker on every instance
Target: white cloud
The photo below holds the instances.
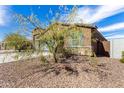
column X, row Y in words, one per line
column 93, row 15
column 115, row 36
column 3, row 15
column 112, row 27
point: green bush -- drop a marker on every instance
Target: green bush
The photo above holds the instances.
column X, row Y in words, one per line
column 122, row 59
column 18, row 42
column 122, row 54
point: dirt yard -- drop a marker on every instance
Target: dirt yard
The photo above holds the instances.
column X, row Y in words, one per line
column 76, row 72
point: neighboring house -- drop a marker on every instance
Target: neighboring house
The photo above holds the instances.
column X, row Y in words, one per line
column 86, row 40
column 117, row 46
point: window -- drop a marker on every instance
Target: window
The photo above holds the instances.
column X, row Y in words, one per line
column 76, row 39
column 39, row 46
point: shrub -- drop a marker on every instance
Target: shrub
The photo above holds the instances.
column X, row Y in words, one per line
column 122, row 54
column 122, row 59
column 18, row 42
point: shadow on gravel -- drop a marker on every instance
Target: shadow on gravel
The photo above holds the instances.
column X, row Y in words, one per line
column 59, row 68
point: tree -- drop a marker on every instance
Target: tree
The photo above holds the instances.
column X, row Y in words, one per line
column 52, row 37
column 54, row 40
column 17, row 41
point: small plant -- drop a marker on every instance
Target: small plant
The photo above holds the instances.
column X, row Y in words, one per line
column 93, row 61
column 123, row 54
column 122, row 59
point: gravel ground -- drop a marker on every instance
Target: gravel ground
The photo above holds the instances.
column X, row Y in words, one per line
column 74, row 73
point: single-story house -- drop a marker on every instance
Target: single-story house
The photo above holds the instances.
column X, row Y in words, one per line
column 89, row 41
column 116, row 47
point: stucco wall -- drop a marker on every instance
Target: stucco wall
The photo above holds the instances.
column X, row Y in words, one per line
column 88, row 33
column 100, row 45
column 86, row 48
column 116, row 47
column 106, row 45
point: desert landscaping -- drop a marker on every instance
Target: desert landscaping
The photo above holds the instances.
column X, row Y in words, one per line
column 60, row 49
column 76, row 72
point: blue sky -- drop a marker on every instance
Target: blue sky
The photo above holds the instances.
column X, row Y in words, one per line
column 109, row 19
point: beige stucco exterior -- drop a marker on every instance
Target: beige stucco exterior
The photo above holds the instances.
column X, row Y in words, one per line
column 90, row 40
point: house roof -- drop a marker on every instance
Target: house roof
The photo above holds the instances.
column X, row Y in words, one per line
column 85, row 26
column 100, row 34
column 66, row 24
column 79, row 25
column 40, row 30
